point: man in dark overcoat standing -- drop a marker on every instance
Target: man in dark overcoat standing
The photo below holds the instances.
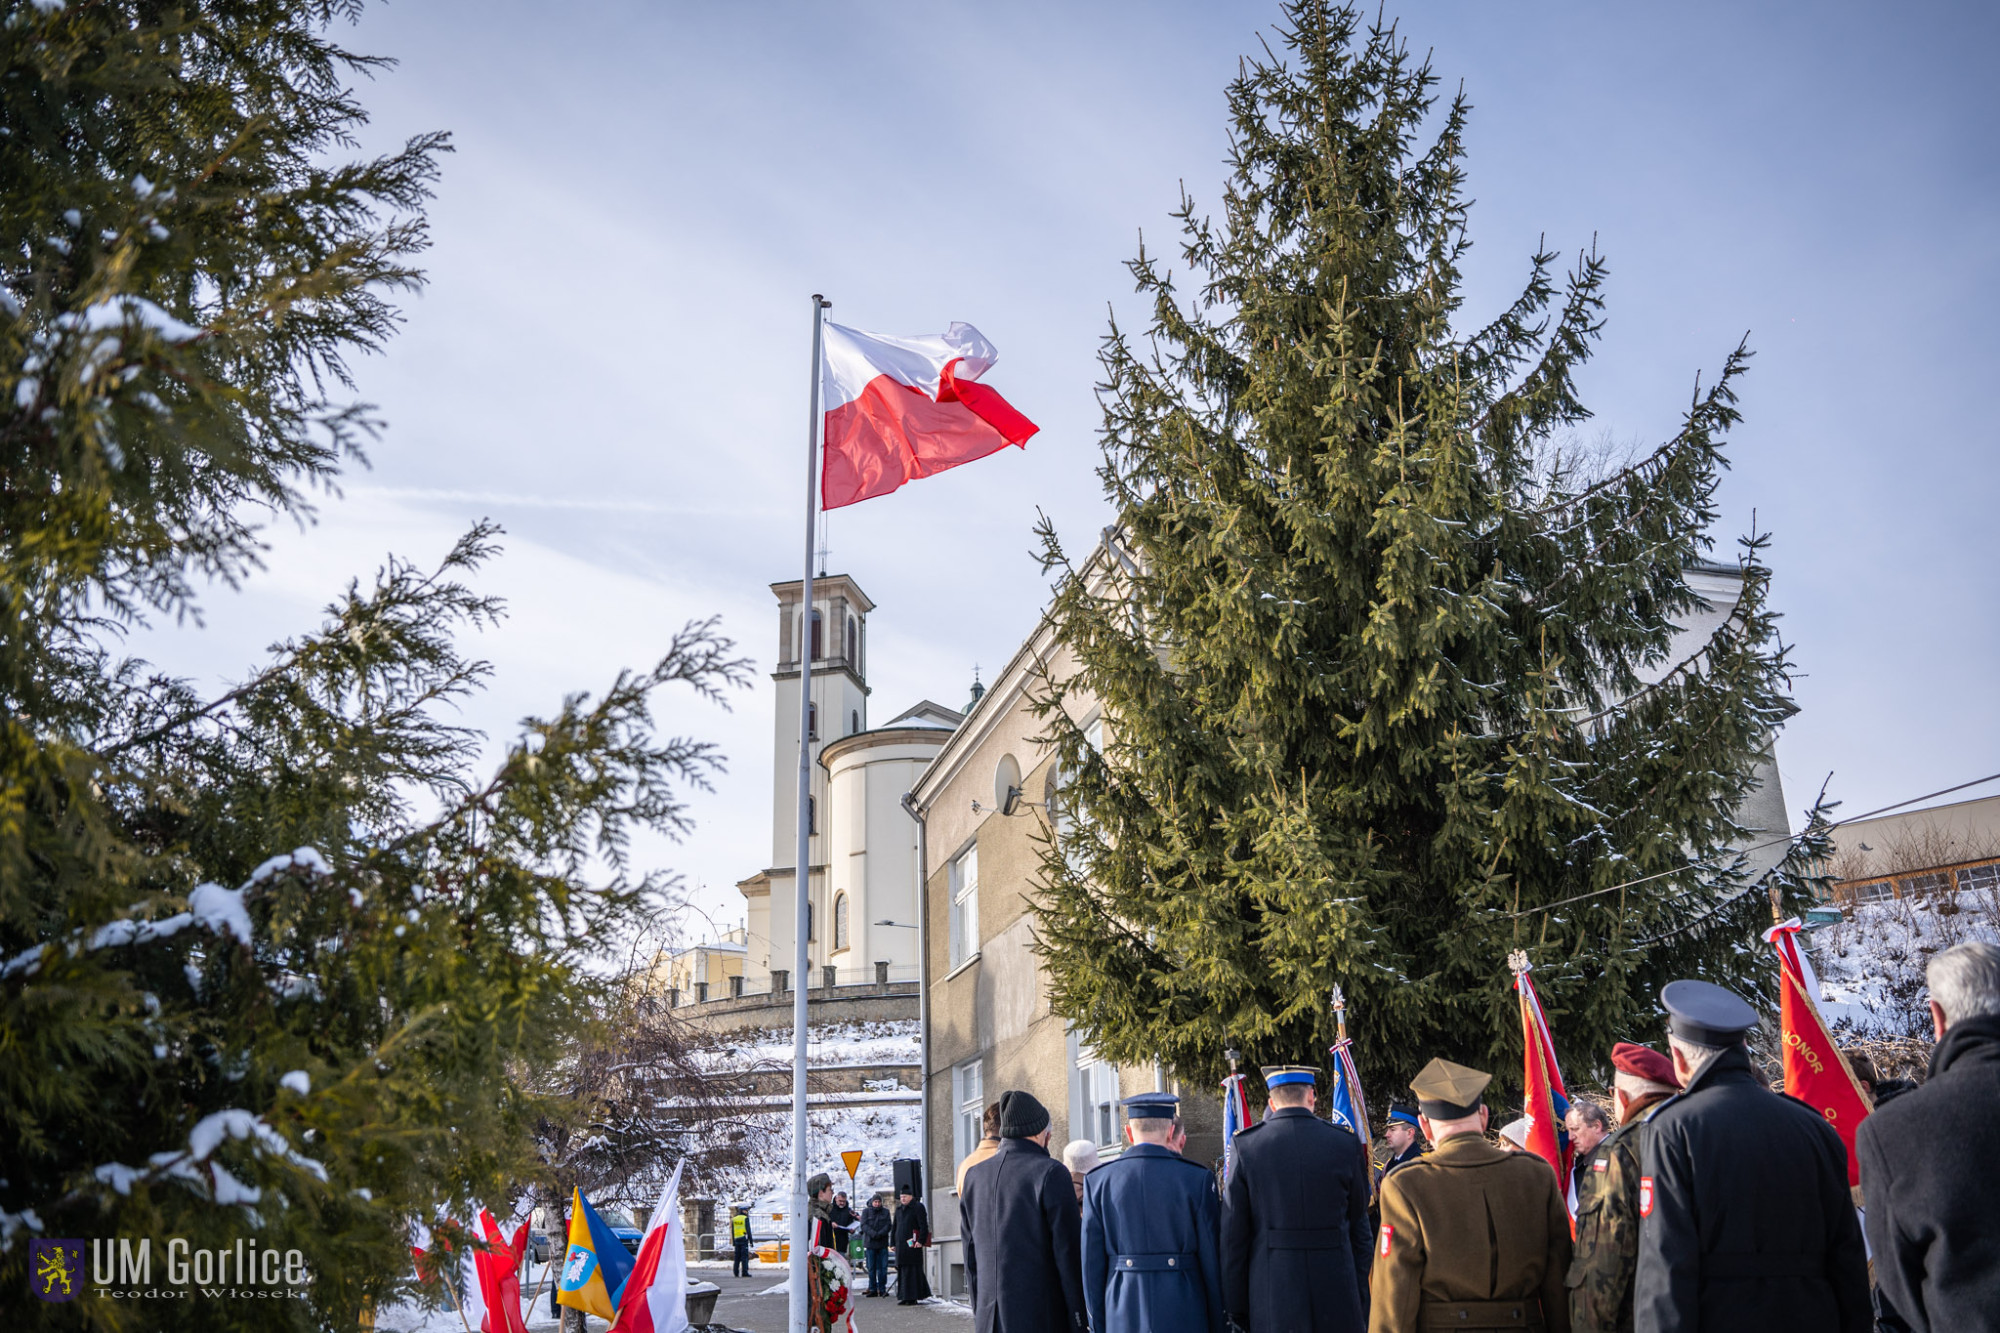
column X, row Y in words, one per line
column 1930, row 1161
column 1150, row 1263
column 1021, row 1232
column 1295, row 1230
column 1745, row 1217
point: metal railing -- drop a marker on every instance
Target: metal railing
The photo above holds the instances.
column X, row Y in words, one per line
column 778, row 982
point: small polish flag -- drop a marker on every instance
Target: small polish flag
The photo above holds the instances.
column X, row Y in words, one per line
column 655, row 1296
column 902, row 408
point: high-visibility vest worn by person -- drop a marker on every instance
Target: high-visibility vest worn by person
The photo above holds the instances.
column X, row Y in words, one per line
column 739, row 1226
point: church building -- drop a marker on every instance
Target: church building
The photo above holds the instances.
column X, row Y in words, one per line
column 861, row 884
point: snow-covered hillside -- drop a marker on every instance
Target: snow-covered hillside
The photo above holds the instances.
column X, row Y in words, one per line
column 884, row 1124
column 1871, row 968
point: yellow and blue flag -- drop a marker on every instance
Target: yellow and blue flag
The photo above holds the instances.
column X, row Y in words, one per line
column 595, row 1269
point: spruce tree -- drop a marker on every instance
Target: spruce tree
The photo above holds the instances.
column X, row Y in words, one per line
column 1388, row 666
column 277, row 964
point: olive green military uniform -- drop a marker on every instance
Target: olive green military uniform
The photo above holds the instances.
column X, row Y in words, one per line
column 1607, row 1229
column 1472, row 1238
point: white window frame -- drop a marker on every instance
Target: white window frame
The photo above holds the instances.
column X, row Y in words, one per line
column 1097, row 1085
column 968, row 1099
column 965, row 906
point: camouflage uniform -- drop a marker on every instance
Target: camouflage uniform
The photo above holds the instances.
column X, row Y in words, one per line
column 1607, row 1229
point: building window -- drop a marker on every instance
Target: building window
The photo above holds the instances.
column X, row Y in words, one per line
column 1879, row 891
column 1093, row 733
column 965, row 906
column 840, row 921
column 812, row 932
column 1985, row 877
column 818, row 638
column 1933, row 885
column 812, row 721
column 968, row 1095
column 1097, row 1083
column 853, row 720
column 812, row 815
column 850, row 639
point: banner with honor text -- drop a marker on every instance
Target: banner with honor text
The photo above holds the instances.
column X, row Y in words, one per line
column 1815, row 1071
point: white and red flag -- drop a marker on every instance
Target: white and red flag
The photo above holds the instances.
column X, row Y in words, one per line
column 655, row 1296
column 1547, row 1101
column 902, row 408
column 1815, row 1071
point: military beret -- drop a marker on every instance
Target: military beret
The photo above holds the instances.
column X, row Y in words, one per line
column 1277, row 1076
column 1644, row 1062
column 1447, row 1091
column 1705, row 1013
column 1151, row 1106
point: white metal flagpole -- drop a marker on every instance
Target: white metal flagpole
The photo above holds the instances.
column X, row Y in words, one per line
column 801, row 1298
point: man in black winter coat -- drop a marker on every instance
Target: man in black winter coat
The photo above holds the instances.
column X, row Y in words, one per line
column 1930, row 1162
column 1296, row 1239
column 1746, row 1221
column 877, row 1225
column 1021, row 1230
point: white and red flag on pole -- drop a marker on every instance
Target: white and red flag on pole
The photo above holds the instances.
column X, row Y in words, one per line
column 1547, row 1101
column 655, row 1296
column 902, row 408
column 1815, row 1071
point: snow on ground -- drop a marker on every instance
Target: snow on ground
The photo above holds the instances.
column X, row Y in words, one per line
column 1871, row 968
column 405, row 1317
column 827, row 1045
column 883, row 1133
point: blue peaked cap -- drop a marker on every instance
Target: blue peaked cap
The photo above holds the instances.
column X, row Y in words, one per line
column 1277, row 1076
column 1404, row 1114
column 1151, row 1106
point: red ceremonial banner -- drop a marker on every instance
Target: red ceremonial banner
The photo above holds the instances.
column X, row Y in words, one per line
column 1815, row 1071
column 1542, row 1078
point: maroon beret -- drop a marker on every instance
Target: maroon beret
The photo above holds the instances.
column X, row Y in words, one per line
column 1644, row 1062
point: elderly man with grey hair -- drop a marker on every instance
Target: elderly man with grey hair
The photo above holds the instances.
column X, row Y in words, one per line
column 1930, row 1162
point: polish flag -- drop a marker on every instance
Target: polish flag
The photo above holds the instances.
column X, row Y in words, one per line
column 500, row 1276
column 902, row 408
column 1815, row 1071
column 655, row 1297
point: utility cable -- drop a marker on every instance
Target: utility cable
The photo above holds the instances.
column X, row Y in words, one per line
column 1754, row 847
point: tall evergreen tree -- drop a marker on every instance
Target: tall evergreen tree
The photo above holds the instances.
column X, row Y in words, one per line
column 1391, row 683
column 277, row 964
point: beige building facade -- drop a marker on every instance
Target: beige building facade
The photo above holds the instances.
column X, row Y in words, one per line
column 1924, row 853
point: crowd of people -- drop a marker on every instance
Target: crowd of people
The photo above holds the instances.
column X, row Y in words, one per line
column 1700, row 1200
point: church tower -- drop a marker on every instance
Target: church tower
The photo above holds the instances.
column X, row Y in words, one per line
column 835, row 634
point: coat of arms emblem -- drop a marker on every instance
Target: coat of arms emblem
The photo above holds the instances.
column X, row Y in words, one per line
column 55, row 1268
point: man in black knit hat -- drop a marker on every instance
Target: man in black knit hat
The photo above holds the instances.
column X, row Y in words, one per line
column 1021, row 1231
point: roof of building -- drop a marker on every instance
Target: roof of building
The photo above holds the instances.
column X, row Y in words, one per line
column 926, row 713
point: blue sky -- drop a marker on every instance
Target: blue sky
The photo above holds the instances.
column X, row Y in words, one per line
column 611, row 358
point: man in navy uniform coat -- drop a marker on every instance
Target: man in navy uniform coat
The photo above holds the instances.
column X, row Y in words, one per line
column 1746, row 1221
column 1150, row 1262
column 1296, row 1240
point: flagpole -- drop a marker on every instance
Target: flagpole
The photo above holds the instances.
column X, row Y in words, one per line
column 800, row 1297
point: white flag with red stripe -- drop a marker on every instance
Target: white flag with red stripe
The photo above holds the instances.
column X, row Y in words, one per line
column 655, row 1297
column 901, row 408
